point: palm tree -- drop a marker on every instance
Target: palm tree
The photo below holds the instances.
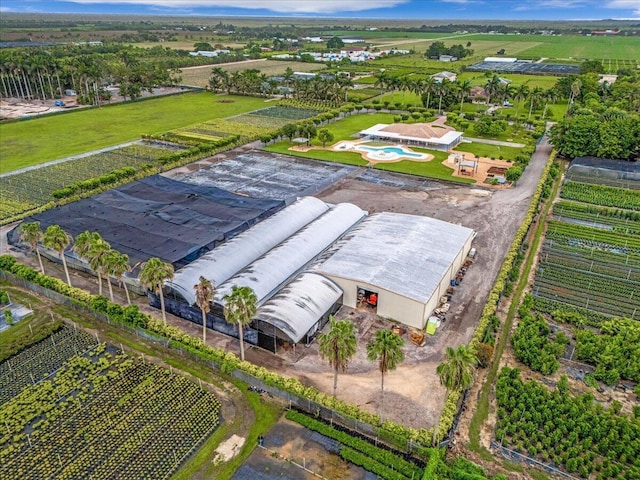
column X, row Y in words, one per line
column 456, row 371
column 442, row 89
column 337, row 346
column 428, row 85
column 522, row 92
column 96, row 256
column 240, row 307
column 576, row 86
column 205, row 291
column 492, row 87
column 464, row 87
column 118, row 265
column 31, row 233
column 550, row 96
column 57, row 239
column 386, row 348
column 153, row 274
column 82, row 246
column 535, row 96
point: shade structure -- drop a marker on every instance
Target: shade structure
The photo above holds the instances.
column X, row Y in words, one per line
column 267, row 274
column 299, row 308
column 160, row 217
column 229, row 258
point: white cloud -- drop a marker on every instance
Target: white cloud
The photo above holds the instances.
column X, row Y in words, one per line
column 280, row 6
column 625, row 4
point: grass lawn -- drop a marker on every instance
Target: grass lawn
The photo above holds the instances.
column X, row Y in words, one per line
column 488, row 151
column 345, row 129
column 43, row 139
column 349, row 158
column 431, row 169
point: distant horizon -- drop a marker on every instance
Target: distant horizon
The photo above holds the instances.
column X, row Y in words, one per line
column 415, row 10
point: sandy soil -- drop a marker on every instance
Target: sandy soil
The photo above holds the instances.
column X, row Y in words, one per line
column 413, row 395
column 18, row 108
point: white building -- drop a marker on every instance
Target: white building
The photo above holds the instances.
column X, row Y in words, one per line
column 407, row 261
column 419, row 134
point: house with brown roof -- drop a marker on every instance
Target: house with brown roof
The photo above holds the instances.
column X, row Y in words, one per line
column 425, row 135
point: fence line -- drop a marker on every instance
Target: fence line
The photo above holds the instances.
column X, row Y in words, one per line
column 521, row 458
column 293, row 462
column 377, row 434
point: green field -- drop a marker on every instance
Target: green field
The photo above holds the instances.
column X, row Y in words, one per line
column 199, row 76
column 559, row 47
column 49, row 138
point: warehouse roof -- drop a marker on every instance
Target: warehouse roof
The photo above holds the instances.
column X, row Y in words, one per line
column 270, row 272
column 296, row 308
column 220, row 264
column 404, row 254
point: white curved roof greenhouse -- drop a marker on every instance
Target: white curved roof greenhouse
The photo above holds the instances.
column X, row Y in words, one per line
column 270, row 272
column 232, row 256
column 296, row 308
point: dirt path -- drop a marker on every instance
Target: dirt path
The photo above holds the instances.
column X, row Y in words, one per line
column 224, row 64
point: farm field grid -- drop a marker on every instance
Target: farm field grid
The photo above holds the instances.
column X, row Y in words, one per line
column 534, row 369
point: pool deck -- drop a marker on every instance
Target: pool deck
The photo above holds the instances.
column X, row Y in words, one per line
column 372, row 157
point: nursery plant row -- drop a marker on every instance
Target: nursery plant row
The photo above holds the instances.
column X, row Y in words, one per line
column 569, row 432
column 41, row 360
column 105, row 416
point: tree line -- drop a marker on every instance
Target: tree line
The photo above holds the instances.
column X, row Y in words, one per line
column 602, row 119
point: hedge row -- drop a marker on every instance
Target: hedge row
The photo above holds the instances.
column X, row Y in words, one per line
column 360, row 459
column 95, row 182
column 490, row 308
column 369, row 451
column 227, row 361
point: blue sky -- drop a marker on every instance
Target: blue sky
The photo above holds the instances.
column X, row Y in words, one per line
column 414, row 9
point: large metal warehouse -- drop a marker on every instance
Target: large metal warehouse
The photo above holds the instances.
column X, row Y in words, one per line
column 404, row 262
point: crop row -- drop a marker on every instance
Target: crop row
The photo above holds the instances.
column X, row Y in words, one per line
column 41, row 360
column 286, row 112
column 567, row 206
column 566, row 260
column 569, row 278
column 593, row 236
column 581, row 300
column 606, row 223
column 601, row 195
column 260, row 121
column 611, row 182
column 128, row 420
column 373, row 454
column 592, row 254
column 33, row 188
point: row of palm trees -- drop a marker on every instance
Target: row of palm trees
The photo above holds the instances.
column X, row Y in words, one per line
column 338, row 345
column 38, row 74
column 90, row 246
column 240, row 304
column 253, row 82
column 239, row 308
column 495, row 88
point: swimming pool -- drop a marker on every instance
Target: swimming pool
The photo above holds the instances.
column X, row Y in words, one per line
column 401, row 152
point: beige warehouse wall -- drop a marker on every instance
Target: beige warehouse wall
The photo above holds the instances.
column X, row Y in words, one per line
column 390, row 305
